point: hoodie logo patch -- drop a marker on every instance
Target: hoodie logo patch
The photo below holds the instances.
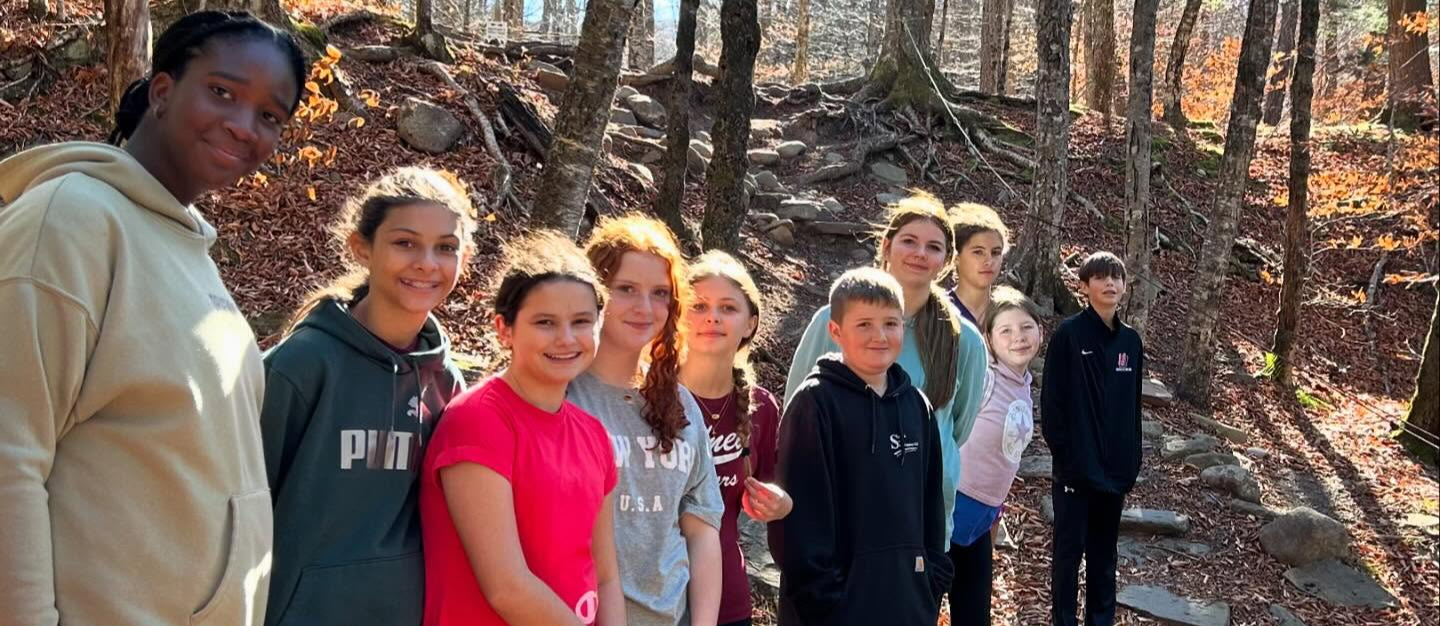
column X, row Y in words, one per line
column 379, row 449
column 1122, row 364
column 900, row 445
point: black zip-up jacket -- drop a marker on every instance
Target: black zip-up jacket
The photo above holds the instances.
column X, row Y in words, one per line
column 1090, row 403
column 865, row 473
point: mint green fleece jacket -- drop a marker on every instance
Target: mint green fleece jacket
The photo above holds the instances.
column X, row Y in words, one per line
column 955, row 418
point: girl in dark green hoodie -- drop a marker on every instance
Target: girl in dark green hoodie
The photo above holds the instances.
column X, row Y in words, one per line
column 352, row 395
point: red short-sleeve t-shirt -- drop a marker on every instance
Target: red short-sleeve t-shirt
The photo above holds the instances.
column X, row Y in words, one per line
column 560, row 466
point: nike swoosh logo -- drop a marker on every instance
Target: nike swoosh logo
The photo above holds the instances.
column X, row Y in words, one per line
column 1086, row 353
column 726, row 458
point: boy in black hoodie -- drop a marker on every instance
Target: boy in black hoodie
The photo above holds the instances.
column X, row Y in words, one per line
column 860, row 454
column 1090, row 417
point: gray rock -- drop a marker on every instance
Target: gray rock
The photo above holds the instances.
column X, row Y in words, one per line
column 763, row 156
column 833, row 205
column 624, row 92
column 767, row 201
column 861, row 254
column 1039, row 466
column 1161, row 604
column 647, row 110
column 704, row 148
column 782, row 232
column 1257, row 453
column 696, row 163
column 1259, row 511
column 1047, row 508
column 1003, row 540
column 889, row 173
column 887, row 199
column 834, row 157
column 799, row 210
column 1155, row 393
column 1284, row 616
column 750, row 186
column 642, row 132
column 1148, row 428
column 1154, row 521
column 759, row 566
column 769, row 182
column 427, row 127
column 1340, row 584
column 702, row 136
column 840, row 229
column 551, row 78
column 1230, row 433
column 642, row 172
column 622, row 117
column 791, row 149
column 1141, row 552
column 762, row 130
column 1302, row 536
column 1185, row 448
column 1232, row 479
column 1207, row 460
column 651, row 156
column 764, row 219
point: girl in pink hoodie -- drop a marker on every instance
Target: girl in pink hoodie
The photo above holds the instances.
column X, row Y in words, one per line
column 991, row 456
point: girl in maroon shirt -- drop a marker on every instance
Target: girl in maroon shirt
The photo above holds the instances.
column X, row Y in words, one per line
column 741, row 417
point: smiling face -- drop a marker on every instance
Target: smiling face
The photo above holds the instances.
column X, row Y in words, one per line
column 719, row 320
column 223, row 117
column 640, row 298
column 1104, row 291
column 870, row 336
column 917, row 253
column 553, row 338
column 414, row 258
column 979, row 259
column 1014, row 338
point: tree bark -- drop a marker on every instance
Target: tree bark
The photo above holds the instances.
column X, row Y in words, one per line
column 1209, row 281
column 430, row 42
column 1039, row 265
column 127, row 25
column 39, row 9
column 582, row 115
column 906, row 70
column 1423, row 417
column 1140, row 237
column 1410, row 81
column 642, row 44
column 669, row 203
column 725, row 201
column 801, row 69
column 1285, row 51
column 874, row 31
column 1297, row 227
column 1099, row 25
column 1175, row 66
column 995, row 44
column 1330, row 63
column 515, row 19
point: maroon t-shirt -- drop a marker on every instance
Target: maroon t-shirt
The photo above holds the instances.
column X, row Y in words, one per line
column 730, row 468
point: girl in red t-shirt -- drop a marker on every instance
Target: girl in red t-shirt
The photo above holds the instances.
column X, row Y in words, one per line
column 742, row 418
column 515, row 498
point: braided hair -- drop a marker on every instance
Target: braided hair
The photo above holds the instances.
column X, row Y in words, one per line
column 718, row 264
column 185, row 40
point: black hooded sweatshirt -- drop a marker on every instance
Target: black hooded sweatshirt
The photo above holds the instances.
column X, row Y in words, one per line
column 865, row 473
column 345, row 422
column 1090, row 403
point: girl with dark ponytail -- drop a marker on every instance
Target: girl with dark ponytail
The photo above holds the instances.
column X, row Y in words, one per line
column 742, row 417
column 132, row 383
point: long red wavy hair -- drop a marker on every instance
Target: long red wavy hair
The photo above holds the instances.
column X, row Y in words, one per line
column 612, row 239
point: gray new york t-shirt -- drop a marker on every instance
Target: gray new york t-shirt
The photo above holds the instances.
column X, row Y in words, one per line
column 653, row 491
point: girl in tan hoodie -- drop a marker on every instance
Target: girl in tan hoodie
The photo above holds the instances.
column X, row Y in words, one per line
column 131, row 469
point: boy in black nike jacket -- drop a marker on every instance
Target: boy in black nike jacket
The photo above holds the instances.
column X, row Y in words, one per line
column 1090, row 417
column 859, row 452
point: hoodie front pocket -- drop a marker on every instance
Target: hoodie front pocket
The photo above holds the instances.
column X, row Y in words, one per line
column 388, row 591
column 888, row 585
column 239, row 597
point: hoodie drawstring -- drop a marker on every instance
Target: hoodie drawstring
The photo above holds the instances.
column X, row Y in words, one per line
column 873, row 416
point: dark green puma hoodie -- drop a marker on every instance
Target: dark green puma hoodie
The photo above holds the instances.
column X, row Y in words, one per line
column 345, row 422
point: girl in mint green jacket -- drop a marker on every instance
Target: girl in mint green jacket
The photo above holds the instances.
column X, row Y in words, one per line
column 943, row 354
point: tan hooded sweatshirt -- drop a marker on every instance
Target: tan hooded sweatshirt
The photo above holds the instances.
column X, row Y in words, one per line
column 132, row 482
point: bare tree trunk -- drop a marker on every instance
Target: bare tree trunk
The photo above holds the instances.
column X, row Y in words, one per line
column 1100, row 55
column 430, row 42
column 1140, row 238
column 547, row 21
column 1285, row 40
column 642, row 44
column 1039, row 265
column 127, row 25
column 515, row 18
column 670, row 202
column 1410, row 79
column 497, row 10
column 944, row 27
column 581, row 117
column 801, row 69
column 39, row 9
column 1422, row 420
column 1297, row 227
column 906, row 69
column 469, row 15
column 1175, row 66
column 874, row 27
column 1330, row 63
column 1209, row 283
column 725, row 200
column 995, row 44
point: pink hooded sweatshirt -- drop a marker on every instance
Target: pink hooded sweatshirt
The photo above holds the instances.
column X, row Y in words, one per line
column 1003, row 429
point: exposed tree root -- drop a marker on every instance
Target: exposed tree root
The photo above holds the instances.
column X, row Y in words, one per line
column 502, row 174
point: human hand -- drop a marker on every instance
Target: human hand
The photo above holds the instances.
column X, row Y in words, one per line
column 765, row 502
